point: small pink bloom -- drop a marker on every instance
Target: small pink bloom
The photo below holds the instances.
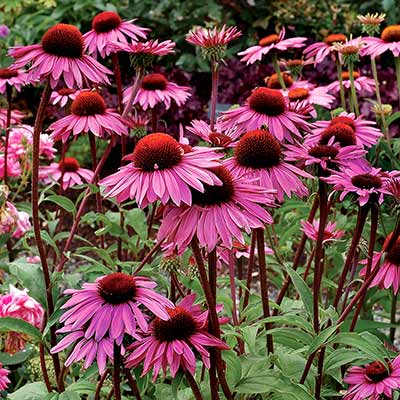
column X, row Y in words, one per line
column 109, row 28
column 389, row 40
column 70, row 171
column 320, row 50
column 313, row 95
column 60, row 57
column 13, row 166
column 271, row 43
column 157, row 89
column 239, row 250
column 362, row 84
column 4, row 31
column 175, row 341
column 33, row 259
column 4, row 381
column 149, row 48
column 16, row 117
column 12, row 77
column 63, row 96
column 212, row 38
column 330, row 232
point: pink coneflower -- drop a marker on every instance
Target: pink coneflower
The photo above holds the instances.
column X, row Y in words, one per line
column 173, row 342
column 326, row 155
column 317, row 95
column 70, row 171
column 266, row 107
column 389, row 272
column 347, row 130
column 363, row 180
column 60, row 55
column 220, row 213
column 63, row 96
column 258, row 155
column 217, row 137
column 87, row 349
column 108, row 27
column 13, row 166
column 12, row 77
column 149, row 48
column 109, row 307
column 209, row 38
column 362, row 84
column 16, row 117
column 162, row 170
column 157, row 89
column 4, row 381
column 88, row 114
column 389, row 40
column 272, row 82
column 270, row 43
column 239, row 250
column 330, row 232
column 320, row 50
column 373, row 381
column 18, row 304
column 4, row 31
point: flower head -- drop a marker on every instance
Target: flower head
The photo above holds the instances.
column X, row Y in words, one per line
column 330, row 232
column 12, row 77
column 370, row 23
column 4, row 31
column 162, row 170
column 174, row 342
column 16, row 117
column 107, row 29
column 271, row 43
column 314, row 95
column 389, row 40
column 266, row 107
column 373, row 381
column 4, row 381
column 320, row 50
column 363, row 85
column 219, row 213
column 88, row 114
column 156, row 89
column 63, row 96
column 60, row 56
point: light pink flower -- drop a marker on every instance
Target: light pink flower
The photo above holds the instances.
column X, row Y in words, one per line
column 4, row 381
column 13, row 166
column 270, row 43
column 320, row 50
column 330, row 232
column 220, row 214
column 347, row 130
column 212, row 38
column 389, row 40
column 70, row 171
column 63, row 96
column 362, row 180
column 88, row 114
column 266, row 107
column 23, row 224
column 107, row 28
column 109, row 307
column 173, row 342
column 217, row 137
column 362, row 84
column 314, row 95
column 239, row 250
column 157, row 89
column 33, row 259
column 259, row 156
column 16, row 117
column 8, row 218
column 149, row 48
column 60, row 56
column 373, row 381
column 162, row 170
column 12, row 77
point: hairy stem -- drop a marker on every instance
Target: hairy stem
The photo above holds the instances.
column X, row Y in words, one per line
column 132, row 383
column 275, row 63
column 193, row 385
column 117, row 372
column 353, row 90
column 214, row 93
column 340, row 79
column 136, row 85
column 250, row 267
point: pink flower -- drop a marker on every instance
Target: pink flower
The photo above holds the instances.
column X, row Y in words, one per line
column 389, row 40
column 162, row 170
column 220, row 213
column 362, row 84
column 4, row 31
column 46, row 148
column 330, row 232
column 18, row 304
column 109, row 307
column 373, row 381
column 347, row 129
column 217, row 137
column 270, row 43
column 16, row 117
column 13, row 166
column 314, row 95
column 33, row 259
column 4, row 381
column 63, row 96
column 8, row 218
column 23, row 224
column 157, row 89
column 212, row 38
column 266, row 107
column 259, row 156
column 107, row 27
column 149, row 48
column 172, row 342
column 69, row 170
column 60, row 56
column 327, row 156
column 239, row 250
column 88, row 114
column 321, row 50
column 12, row 77
column 363, row 180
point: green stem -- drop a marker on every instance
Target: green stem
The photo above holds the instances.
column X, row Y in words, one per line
column 353, row 90
column 278, row 71
column 341, row 87
column 397, row 64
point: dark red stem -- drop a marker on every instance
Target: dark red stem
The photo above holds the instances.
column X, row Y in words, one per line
column 117, row 372
column 250, row 267
column 133, row 384
column 193, row 385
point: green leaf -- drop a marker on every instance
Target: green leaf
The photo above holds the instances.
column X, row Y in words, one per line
column 63, row 202
column 82, row 387
column 249, row 334
column 17, row 358
column 31, row 391
column 136, row 218
column 393, row 118
column 341, row 357
column 321, row 339
column 18, row 325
